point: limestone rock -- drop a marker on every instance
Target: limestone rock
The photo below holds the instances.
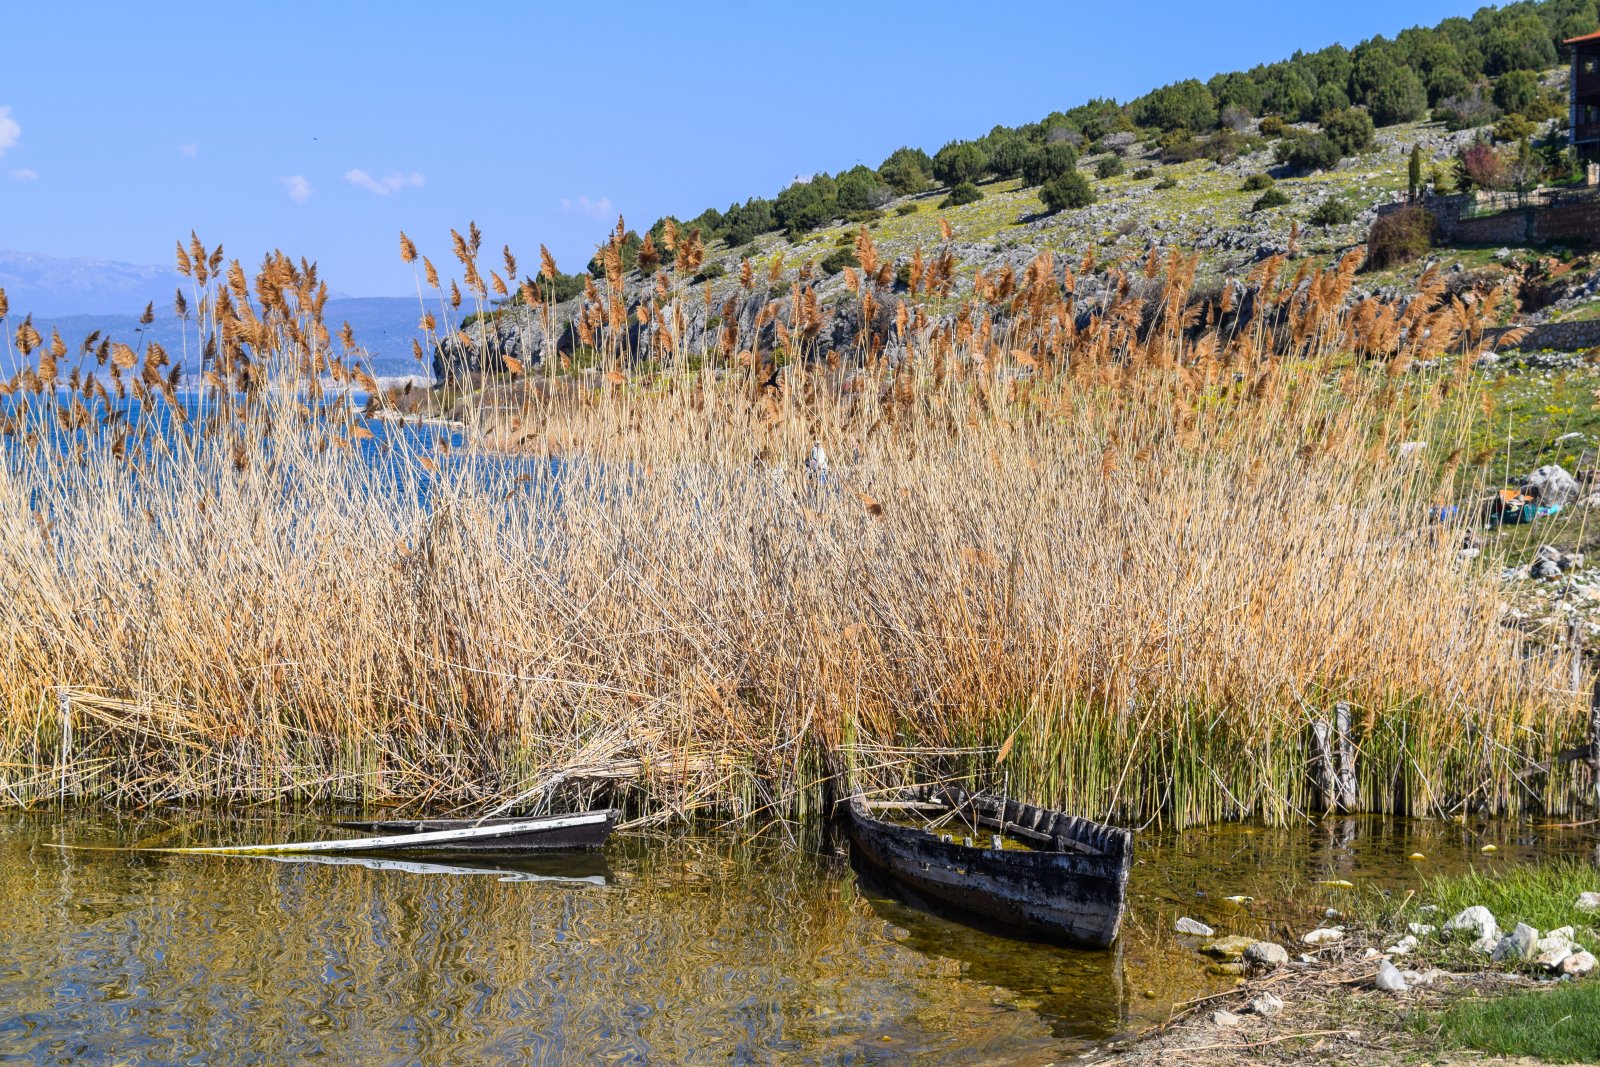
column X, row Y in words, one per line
column 1267, row 1005
column 1552, row 958
column 1476, row 922
column 1421, row 929
column 1588, row 902
column 1266, row 954
column 1389, row 978
column 1228, row 948
column 1187, row 925
column 1324, row 936
column 1518, row 945
column 1225, row 1018
column 1403, row 946
column 1551, row 484
column 1578, row 965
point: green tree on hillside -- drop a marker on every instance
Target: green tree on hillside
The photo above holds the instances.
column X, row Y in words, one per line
column 1047, row 161
column 1066, row 191
column 907, row 170
column 1185, row 105
column 1520, row 42
column 959, row 161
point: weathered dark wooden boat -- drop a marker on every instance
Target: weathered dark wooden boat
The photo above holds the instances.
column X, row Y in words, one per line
column 588, row 829
column 1070, row 882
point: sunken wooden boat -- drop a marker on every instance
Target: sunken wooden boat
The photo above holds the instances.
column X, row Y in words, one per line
column 588, row 829
column 1067, row 882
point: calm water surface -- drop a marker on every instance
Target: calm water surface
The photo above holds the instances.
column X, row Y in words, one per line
column 700, row 949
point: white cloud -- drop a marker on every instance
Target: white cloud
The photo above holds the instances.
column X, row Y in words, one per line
column 298, row 188
column 191, row 150
column 385, row 185
column 25, row 175
column 9, row 130
column 595, row 209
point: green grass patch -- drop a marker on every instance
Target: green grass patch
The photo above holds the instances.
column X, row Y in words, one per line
column 1541, row 895
column 1559, row 1025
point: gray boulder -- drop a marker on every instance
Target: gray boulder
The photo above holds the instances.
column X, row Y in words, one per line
column 1474, row 922
column 1266, row 954
column 1551, row 484
column 1267, row 1005
column 1578, row 965
column 1518, row 946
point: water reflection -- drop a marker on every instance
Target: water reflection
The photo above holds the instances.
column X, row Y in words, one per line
column 698, row 950
column 557, row 870
column 679, row 950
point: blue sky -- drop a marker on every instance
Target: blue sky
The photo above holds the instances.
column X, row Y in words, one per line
column 324, row 133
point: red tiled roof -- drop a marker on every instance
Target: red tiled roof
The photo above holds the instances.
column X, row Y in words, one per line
column 1595, row 36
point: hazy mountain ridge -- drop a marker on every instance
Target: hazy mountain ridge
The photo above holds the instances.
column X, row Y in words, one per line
column 44, row 285
column 79, row 296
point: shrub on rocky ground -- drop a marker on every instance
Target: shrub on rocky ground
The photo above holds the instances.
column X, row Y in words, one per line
column 961, row 194
column 1070, row 190
column 1334, row 211
column 838, row 260
column 1270, row 199
column 1400, row 237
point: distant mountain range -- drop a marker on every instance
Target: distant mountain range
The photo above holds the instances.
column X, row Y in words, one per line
column 80, row 296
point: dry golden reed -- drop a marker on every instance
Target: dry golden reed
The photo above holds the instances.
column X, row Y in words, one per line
column 1136, row 542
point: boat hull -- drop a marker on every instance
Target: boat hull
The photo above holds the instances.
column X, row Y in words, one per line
column 1073, row 890
column 557, row 837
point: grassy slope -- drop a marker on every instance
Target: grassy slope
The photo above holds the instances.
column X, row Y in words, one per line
column 1207, row 198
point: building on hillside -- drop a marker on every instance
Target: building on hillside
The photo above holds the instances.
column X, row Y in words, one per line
column 1585, row 95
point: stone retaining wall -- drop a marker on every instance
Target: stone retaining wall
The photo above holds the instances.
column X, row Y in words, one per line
column 1566, row 221
column 1557, row 336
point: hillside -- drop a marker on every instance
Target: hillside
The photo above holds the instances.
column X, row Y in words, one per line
column 1292, row 158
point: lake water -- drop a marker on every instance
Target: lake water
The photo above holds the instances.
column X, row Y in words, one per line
column 704, row 948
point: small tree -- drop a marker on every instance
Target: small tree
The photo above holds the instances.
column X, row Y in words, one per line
column 1308, row 153
column 1400, row 236
column 906, row 170
column 1481, row 167
column 959, row 161
column 1350, row 130
column 1108, row 167
column 1414, row 173
column 962, row 193
column 1066, row 191
column 1524, row 171
column 1270, row 199
column 1047, row 161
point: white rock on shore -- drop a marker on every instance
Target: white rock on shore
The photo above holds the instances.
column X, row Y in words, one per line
column 1389, row 979
column 1517, row 946
column 1578, row 965
column 1588, row 902
column 1187, row 925
column 1267, row 1005
column 1476, row 922
column 1266, row 954
column 1324, row 936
